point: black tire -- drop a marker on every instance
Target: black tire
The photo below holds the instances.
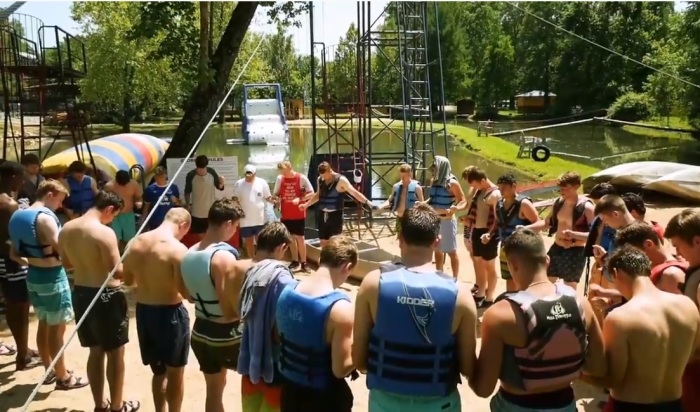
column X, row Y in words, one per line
column 541, row 153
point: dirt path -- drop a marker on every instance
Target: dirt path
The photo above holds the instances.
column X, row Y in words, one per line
column 16, row 387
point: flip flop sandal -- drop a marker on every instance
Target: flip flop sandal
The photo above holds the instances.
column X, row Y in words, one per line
column 66, row 385
column 106, row 408
column 30, row 362
column 7, row 350
column 129, row 406
column 50, row 378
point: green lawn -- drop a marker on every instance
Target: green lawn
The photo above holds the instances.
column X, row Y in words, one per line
column 501, row 151
column 672, row 122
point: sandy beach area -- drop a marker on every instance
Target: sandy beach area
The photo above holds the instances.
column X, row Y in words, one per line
column 15, row 387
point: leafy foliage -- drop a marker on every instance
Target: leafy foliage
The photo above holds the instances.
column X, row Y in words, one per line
column 631, row 107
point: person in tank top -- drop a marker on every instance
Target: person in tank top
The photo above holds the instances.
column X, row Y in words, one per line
column 538, row 340
column 648, row 340
column 206, row 269
column 667, row 272
column 415, row 327
column 314, row 322
column 683, row 230
column 404, row 194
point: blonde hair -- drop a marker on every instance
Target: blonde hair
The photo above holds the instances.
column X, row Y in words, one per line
column 284, row 165
column 178, row 215
column 50, row 186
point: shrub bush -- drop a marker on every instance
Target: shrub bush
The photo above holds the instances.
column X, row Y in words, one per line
column 631, row 107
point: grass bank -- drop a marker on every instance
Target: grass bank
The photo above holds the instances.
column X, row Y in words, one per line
column 672, row 122
column 506, row 153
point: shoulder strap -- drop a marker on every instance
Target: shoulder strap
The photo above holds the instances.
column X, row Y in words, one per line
column 579, row 211
column 658, row 270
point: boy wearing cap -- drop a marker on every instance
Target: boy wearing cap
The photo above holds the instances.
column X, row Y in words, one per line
column 251, row 192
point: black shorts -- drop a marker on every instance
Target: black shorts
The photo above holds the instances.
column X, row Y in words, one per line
column 107, row 324
column 488, row 251
column 566, row 263
column 13, row 281
column 216, row 345
column 296, row 227
column 164, row 336
column 330, row 224
column 199, row 225
column 614, row 405
column 336, row 398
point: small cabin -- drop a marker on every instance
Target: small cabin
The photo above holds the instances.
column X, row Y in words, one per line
column 465, row 106
column 294, row 109
column 533, row 101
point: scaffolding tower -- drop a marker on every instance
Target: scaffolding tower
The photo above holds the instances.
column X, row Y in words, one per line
column 350, row 144
column 39, row 69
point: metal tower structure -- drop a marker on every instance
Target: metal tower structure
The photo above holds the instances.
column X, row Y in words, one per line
column 39, row 68
column 402, row 39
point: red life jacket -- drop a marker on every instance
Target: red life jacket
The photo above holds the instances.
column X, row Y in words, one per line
column 657, row 270
column 471, row 213
column 290, row 189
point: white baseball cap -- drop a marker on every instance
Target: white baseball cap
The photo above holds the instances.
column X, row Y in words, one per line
column 249, row 169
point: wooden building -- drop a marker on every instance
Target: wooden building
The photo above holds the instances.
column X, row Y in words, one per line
column 294, row 109
column 533, row 101
column 465, row 106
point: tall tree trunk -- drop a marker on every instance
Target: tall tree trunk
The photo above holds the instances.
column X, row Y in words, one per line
column 203, row 102
column 203, row 43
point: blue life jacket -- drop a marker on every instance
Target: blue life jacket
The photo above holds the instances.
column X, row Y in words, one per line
column 81, row 197
column 328, row 196
column 441, row 198
column 508, row 220
column 410, row 196
column 607, row 237
column 305, row 356
column 556, row 341
column 196, row 275
column 23, row 233
column 412, row 350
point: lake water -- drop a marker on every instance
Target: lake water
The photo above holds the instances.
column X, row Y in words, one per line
column 596, row 143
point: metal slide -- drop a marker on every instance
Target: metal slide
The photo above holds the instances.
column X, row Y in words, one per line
column 264, row 122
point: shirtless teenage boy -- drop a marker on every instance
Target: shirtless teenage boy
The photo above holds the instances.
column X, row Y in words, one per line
column 538, row 340
column 131, row 193
column 683, row 230
column 91, row 248
column 34, row 233
column 667, row 272
column 162, row 321
column 648, row 340
column 13, row 274
column 568, row 222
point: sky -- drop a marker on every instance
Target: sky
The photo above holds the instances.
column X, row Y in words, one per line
column 331, row 19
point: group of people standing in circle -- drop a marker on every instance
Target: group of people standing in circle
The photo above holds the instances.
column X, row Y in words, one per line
column 411, row 329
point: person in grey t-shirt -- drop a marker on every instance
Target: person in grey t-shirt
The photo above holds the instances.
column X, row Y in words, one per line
column 200, row 193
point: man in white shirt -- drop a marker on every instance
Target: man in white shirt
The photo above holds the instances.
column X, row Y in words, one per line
column 200, row 193
column 251, row 192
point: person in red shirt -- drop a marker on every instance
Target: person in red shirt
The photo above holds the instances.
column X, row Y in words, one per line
column 291, row 189
column 637, row 208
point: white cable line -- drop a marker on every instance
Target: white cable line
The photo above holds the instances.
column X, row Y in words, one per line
column 109, row 277
column 603, row 47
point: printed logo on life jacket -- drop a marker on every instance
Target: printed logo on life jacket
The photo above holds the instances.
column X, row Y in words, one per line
column 558, row 312
column 407, row 300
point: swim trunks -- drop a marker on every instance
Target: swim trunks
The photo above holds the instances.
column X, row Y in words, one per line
column 261, row 396
column 557, row 401
column 330, row 224
column 613, row 405
column 382, row 401
column 448, row 235
column 164, row 336
column 250, row 231
column 107, row 324
column 488, row 251
column 49, row 293
column 297, row 398
column 691, row 382
column 13, row 281
column 216, row 345
column 567, row 264
column 124, row 225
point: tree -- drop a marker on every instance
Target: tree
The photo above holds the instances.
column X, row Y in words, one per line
column 281, row 59
column 664, row 90
column 121, row 76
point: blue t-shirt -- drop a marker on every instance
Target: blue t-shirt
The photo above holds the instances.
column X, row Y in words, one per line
column 151, row 195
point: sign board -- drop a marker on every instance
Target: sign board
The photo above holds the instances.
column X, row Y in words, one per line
column 224, row 166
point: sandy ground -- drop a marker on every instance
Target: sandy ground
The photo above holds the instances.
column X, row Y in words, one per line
column 16, row 387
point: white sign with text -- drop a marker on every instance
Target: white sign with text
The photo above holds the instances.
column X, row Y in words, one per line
column 224, row 166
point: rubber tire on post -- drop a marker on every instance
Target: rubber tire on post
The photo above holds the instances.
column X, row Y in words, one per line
column 543, row 156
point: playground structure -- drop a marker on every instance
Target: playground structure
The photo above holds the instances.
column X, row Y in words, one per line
column 264, row 120
column 349, row 142
column 40, row 67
